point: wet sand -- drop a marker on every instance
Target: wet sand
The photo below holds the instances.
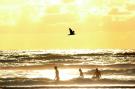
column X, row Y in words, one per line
column 94, row 86
column 76, row 82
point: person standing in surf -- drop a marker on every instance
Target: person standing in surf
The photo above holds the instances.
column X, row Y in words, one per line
column 97, row 74
column 81, row 73
column 56, row 73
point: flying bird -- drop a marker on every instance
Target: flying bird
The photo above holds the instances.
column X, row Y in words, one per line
column 72, row 32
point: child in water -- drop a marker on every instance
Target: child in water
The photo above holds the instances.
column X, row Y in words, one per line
column 81, row 73
column 97, row 74
column 56, row 73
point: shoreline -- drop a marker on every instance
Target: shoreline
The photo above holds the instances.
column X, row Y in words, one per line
column 70, row 86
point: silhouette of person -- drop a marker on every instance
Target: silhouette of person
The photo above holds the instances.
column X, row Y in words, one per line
column 56, row 73
column 81, row 73
column 97, row 74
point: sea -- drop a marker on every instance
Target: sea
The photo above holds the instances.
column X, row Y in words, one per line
column 35, row 68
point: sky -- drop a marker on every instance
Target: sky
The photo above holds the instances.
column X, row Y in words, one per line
column 43, row 24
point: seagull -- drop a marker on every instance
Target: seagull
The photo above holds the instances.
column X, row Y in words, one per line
column 72, row 32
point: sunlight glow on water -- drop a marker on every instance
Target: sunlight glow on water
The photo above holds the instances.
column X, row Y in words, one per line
column 65, row 74
column 41, row 74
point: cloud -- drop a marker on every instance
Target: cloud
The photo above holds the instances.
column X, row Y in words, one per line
column 68, row 1
column 116, row 11
column 59, row 18
column 53, row 9
column 131, row 7
column 119, row 25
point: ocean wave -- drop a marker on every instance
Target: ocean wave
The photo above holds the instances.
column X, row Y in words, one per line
column 83, row 57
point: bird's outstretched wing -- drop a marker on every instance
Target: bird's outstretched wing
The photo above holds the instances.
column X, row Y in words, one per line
column 70, row 30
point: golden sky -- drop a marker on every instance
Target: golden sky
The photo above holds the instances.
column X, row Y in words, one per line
column 43, row 24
